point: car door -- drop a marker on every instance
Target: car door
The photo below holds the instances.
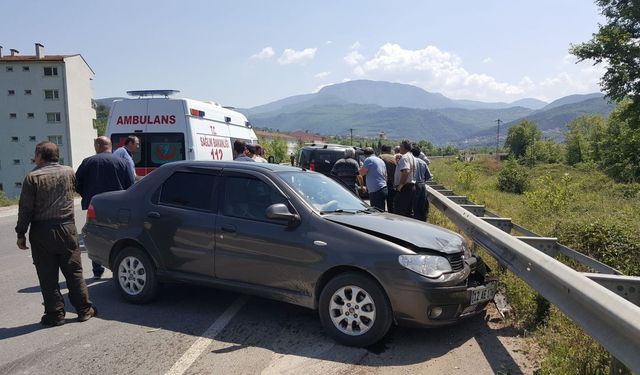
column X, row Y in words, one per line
column 253, row 249
column 181, row 221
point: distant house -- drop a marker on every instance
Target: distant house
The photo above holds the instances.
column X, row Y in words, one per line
column 292, row 142
column 305, row 137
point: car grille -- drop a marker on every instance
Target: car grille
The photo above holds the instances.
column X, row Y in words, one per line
column 456, row 261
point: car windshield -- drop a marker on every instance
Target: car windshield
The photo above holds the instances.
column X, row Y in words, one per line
column 323, row 193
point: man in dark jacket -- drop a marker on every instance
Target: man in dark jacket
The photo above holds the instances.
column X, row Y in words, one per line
column 100, row 173
column 46, row 204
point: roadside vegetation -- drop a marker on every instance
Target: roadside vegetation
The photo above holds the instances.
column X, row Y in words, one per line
column 550, row 190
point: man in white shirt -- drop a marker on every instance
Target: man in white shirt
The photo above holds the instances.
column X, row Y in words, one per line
column 404, row 181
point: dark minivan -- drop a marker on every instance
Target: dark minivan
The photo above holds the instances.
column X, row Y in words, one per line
column 320, row 157
column 288, row 234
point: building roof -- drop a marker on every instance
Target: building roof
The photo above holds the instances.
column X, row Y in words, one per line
column 263, row 133
column 307, row 137
column 34, row 58
column 24, row 58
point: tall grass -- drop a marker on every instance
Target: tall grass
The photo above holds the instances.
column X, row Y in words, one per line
column 580, row 206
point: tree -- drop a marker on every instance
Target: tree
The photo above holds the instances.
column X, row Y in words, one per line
column 584, row 139
column 102, row 114
column 620, row 145
column 617, row 45
column 521, row 136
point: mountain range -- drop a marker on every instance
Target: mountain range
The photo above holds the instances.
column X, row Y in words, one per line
column 369, row 108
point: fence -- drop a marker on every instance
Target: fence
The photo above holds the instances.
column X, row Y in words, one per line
column 604, row 303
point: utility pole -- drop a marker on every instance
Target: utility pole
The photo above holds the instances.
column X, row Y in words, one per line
column 498, row 139
column 351, row 130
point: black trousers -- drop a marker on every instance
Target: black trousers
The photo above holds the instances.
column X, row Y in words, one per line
column 54, row 248
column 403, row 201
column 420, row 202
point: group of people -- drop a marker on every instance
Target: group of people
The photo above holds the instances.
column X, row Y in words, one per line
column 46, row 211
column 248, row 152
column 396, row 179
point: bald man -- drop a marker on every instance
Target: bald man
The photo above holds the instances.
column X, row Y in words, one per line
column 46, row 211
column 100, row 173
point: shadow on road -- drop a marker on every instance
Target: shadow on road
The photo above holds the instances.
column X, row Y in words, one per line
column 285, row 329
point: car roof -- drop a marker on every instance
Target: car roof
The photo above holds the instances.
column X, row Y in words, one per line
column 233, row 164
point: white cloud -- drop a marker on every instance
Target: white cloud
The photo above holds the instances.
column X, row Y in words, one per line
column 441, row 71
column 329, row 42
column 266, row 54
column 322, row 74
column 355, row 46
column 291, row 56
column 487, row 60
column 353, row 58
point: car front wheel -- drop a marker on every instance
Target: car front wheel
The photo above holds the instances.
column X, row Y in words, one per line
column 354, row 310
column 135, row 275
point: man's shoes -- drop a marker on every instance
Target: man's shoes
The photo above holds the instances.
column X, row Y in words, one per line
column 88, row 315
column 50, row 321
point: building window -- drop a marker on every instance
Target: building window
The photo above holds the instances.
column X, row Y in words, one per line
column 32, row 138
column 50, row 71
column 27, row 92
column 1, row 187
column 25, row 69
column 16, row 161
column 13, row 115
column 57, row 139
column 9, row 68
column 53, row 116
column 14, row 139
column 61, row 161
column 30, row 115
column 51, row 94
column 11, row 92
column 19, row 184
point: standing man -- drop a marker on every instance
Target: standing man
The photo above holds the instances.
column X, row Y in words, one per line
column 240, row 147
column 376, row 180
column 390, row 164
column 404, row 181
column 420, row 201
column 100, row 173
column 347, row 170
column 46, row 204
column 126, row 152
column 259, row 157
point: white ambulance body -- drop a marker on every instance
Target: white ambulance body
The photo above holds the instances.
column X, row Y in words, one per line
column 176, row 129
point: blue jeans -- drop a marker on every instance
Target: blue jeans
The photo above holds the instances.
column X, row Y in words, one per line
column 378, row 198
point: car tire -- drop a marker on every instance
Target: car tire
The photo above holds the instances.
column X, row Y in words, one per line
column 354, row 310
column 134, row 275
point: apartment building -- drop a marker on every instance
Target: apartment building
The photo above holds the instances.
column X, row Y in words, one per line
column 43, row 97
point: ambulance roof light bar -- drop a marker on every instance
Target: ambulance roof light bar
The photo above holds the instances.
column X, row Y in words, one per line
column 152, row 93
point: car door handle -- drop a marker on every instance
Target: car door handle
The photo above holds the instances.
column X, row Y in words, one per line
column 229, row 228
column 153, row 215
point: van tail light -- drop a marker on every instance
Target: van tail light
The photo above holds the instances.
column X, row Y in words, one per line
column 312, row 166
column 91, row 214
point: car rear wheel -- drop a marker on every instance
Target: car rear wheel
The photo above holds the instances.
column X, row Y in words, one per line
column 354, row 310
column 135, row 275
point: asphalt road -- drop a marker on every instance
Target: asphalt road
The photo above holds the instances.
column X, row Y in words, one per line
column 195, row 330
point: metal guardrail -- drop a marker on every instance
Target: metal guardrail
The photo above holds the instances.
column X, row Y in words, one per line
column 601, row 303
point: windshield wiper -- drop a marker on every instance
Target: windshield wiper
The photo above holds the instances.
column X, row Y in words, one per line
column 338, row 211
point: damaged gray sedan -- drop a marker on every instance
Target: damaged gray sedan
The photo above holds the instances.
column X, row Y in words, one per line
column 288, row 234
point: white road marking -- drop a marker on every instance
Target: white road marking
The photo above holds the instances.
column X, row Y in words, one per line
column 203, row 342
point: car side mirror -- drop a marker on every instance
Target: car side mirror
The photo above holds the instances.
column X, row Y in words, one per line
column 280, row 211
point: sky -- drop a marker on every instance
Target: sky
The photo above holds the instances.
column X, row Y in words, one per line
column 248, row 53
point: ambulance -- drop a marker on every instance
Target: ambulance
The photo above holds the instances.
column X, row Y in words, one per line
column 172, row 129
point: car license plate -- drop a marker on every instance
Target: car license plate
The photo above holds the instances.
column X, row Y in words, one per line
column 483, row 293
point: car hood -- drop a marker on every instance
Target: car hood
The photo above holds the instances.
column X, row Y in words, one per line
column 416, row 234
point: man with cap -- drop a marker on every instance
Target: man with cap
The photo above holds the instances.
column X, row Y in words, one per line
column 376, row 181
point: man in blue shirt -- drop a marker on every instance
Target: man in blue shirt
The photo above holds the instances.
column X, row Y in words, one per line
column 376, row 172
column 126, row 152
column 420, row 203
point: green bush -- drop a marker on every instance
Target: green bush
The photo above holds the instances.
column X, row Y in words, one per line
column 550, row 196
column 606, row 240
column 513, row 178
